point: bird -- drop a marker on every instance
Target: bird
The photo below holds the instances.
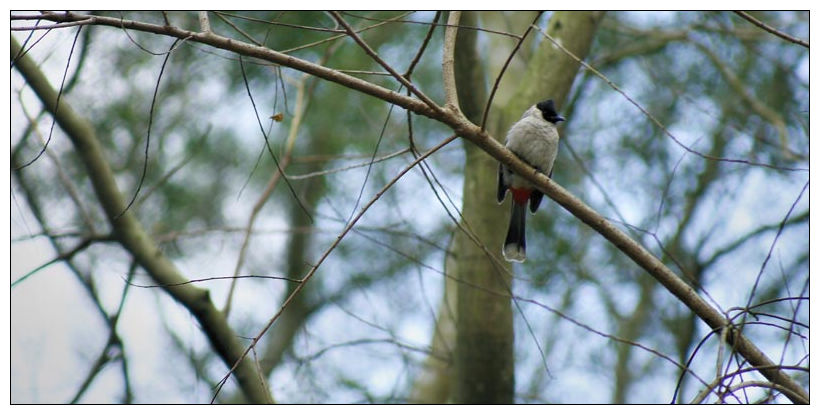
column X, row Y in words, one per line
column 534, row 139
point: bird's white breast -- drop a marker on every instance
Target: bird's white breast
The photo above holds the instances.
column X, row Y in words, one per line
column 534, row 139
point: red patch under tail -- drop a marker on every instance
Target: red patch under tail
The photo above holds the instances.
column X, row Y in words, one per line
column 520, row 196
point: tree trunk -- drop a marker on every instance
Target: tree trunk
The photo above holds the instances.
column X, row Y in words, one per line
column 484, row 339
column 485, row 371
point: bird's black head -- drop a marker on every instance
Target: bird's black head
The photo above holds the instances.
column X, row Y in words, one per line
column 547, row 109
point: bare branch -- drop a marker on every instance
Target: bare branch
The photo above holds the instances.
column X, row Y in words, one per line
column 148, row 136
column 771, row 30
column 332, row 38
column 279, row 167
column 504, row 69
column 57, row 102
column 755, row 104
column 238, row 29
column 230, row 277
column 380, row 61
column 204, row 23
column 327, row 252
column 64, row 256
column 53, row 26
column 266, row 54
column 275, row 23
column 296, row 122
column 655, row 120
column 345, row 168
column 72, row 190
column 434, row 24
column 133, row 237
column 448, row 62
column 422, row 48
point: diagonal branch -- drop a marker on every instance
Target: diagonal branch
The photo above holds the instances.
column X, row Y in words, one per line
column 133, row 237
column 250, row 50
column 755, row 104
column 771, row 30
column 352, row 33
column 330, row 249
column 655, row 120
column 504, row 69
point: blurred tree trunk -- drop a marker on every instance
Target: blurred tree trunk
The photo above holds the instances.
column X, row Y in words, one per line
column 295, row 316
column 485, row 371
column 484, row 339
column 434, row 384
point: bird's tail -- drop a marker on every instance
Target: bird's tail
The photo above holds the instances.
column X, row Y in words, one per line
column 515, row 245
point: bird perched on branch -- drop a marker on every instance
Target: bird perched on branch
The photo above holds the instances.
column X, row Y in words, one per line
column 534, row 139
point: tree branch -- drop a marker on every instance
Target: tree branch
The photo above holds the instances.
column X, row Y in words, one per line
column 204, row 22
column 504, row 69
column 655, row 120
column 758, row 106
column 130, row 233
column 448, row 62
column 352, row 33
column 771, row 30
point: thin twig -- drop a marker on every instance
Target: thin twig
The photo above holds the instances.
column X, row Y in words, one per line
column 267, row 142
column 771, row 30
column 131, row 234
column 65, row 256
column 375, row 56
column 238, row 29
column 655, row 120
column 72, row 191
column 52, row 26
column 173, row 170
column 756, row 105
column 335, row 37
column 479, row 29
column 771, row 248
column 422, row 48
column 504, row 69
column 350, row 167
column 363, row 72
column 327, row 252
column 148, row 135
column 275, row 23
column 610, row 336
column 296, row 122
column 230, row 277
column 710, row 387
column 57, row 104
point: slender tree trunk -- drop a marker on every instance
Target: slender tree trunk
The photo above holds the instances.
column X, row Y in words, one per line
column 130, row 233
column 485, row 371
column 484, row 340
column 300, row 309
column 433, row 385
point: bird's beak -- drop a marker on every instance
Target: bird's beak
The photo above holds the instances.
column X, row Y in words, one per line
column 560, row 118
